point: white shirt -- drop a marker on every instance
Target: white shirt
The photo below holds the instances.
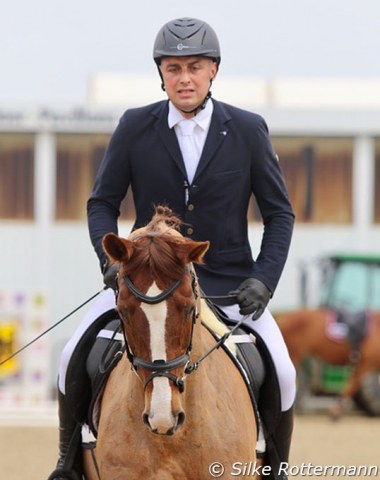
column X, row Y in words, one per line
column 191, row 134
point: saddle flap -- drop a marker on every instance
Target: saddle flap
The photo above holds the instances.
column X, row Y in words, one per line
column 102, row 359
column 250, row 359
column 259, row 366
column 78, row 384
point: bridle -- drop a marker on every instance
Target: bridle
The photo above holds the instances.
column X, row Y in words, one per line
column 161, row 368
column 151, row 300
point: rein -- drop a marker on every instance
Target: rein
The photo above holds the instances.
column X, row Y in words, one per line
column 53, row 326
column 192, row 367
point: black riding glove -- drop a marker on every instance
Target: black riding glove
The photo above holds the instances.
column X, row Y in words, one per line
column 252, row 296
column 110, row 273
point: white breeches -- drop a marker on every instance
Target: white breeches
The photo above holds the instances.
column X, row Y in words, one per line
column 265, row 326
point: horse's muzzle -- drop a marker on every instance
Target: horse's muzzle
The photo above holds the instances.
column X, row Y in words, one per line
column 164, row 428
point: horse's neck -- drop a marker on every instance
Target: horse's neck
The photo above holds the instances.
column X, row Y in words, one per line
column 197, row 341
column 213, row 323
column 203, row 341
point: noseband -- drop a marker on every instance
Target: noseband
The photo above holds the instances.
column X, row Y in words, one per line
column 160, row 368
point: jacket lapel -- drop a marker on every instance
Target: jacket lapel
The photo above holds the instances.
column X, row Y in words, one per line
column 217, row 133
column 168, row 136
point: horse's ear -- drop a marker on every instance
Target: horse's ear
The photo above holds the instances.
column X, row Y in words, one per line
column 117, row 248
column 193, row 252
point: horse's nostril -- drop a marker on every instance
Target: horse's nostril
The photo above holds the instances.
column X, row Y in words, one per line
column 146, row 419
column 181, row 419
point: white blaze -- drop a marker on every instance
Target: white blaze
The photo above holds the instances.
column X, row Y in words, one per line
column 160, row 415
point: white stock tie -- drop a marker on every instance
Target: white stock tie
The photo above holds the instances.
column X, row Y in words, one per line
column 189, row 147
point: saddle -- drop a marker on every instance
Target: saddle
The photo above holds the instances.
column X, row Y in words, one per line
column 78, row 385
column 102, row 359
column 350, row 326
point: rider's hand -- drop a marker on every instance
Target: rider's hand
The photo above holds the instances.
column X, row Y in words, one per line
column 252, row 296
column 110, row 273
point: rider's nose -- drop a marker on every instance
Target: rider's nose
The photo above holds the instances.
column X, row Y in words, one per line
column 185, row 77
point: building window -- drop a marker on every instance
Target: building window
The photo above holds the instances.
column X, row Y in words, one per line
column 377, row 182
column 318, row 174
column 78, row 160
column 16, row 176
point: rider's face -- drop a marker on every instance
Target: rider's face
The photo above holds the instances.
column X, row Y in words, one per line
column 187, row 80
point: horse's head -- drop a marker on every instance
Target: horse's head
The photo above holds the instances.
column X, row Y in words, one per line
column 157, row 305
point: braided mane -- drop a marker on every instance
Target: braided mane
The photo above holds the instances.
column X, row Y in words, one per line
column 165, row 215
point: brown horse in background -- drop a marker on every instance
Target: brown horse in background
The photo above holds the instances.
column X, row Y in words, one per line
column 305, row 333
column 154, row 422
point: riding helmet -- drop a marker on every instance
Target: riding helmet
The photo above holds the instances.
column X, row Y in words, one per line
column 186, row 37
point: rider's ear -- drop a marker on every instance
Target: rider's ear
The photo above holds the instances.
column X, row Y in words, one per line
column 117, row 248
column 214, row 71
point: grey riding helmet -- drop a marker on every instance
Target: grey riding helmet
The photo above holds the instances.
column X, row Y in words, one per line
column 186, row 37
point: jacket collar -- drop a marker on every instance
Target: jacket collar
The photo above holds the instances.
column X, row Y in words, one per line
column 216, row 135
column 202, row 118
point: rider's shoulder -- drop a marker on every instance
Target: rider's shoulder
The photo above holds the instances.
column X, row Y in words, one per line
column 145, row 113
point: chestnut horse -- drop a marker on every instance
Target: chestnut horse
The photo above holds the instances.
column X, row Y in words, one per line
column 305, row 334
column 154, row 422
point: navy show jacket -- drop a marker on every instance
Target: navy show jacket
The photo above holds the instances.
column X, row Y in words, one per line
column 237, row 161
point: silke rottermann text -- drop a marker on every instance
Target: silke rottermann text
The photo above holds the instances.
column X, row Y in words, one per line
column 305, row 469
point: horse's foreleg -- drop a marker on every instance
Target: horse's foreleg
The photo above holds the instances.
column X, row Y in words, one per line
column 350, row 389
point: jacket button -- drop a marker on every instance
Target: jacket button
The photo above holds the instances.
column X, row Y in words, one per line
column 190, row 207
column 190, row 231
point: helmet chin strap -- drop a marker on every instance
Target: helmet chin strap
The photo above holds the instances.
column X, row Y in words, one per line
column 198, row 108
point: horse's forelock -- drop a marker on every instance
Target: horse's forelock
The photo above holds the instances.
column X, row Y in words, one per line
column 158, row 255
